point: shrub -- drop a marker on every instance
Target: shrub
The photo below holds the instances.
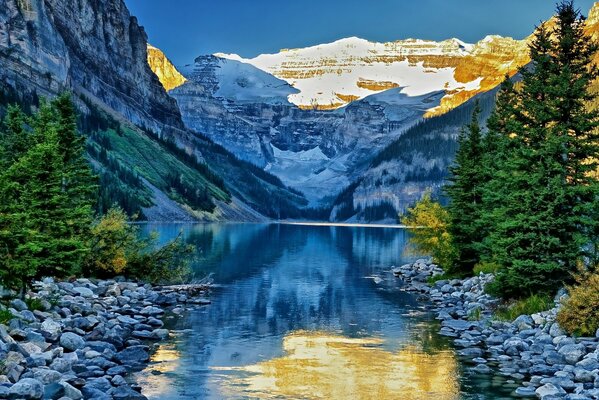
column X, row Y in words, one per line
column 34, row 303
column 530, row 305
column 486, row 267
column 428, row 224
column 117, row 249
column 579, row 313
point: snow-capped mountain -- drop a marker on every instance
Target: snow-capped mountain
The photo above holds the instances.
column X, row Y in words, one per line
column 329, row 76
column 248, row 111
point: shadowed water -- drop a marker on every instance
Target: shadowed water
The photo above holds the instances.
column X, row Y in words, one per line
column 305, row 312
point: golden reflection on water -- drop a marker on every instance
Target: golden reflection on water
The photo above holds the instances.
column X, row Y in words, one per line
column 319, row 365
column 165, row 359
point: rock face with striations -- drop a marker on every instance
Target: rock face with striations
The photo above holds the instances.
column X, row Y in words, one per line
column 103, row 56
column 318, row 152
column 164, row 69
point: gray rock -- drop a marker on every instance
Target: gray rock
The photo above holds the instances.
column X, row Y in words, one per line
column 51, row 327
column 524, row 322
column 572, row 352
column 47, row 376
column 133, row 355
column 26, row 389
column 458, row 324
column 18, row 305
column 524, row 391
column 53, row 391
column 83, row 291
column 71, row 341
column 124, row 392
column 549, row 389
column 556, row 330
column 71, row 392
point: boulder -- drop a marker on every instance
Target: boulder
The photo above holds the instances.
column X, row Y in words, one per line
column 572, row 352
column 71, row 341
column 27, row 388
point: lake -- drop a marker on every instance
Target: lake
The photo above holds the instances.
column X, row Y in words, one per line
column 306, row 312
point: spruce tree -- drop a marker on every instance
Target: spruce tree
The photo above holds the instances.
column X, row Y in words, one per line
column 465, row 193
column 542, row 209
column 46, row 197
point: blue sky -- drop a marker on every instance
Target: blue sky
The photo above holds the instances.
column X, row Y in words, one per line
column 184, row 29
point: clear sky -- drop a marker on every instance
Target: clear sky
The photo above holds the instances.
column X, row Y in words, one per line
column 184, row 29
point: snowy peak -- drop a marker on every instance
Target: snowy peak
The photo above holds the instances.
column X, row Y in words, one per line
column 331, row 75
column 236, row 81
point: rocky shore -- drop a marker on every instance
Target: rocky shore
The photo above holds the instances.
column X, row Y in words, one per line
column 81, row 339
column 532, row 351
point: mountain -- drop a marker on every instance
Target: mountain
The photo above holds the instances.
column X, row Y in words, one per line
column 248, row 111
column 332, row 75
column 149, row 162
column 164, row 69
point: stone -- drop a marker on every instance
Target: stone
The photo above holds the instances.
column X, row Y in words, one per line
column 127, row 320
column 47, row 376
column 556, row 330
column 83, row 291
column 18, row 305
column 51, row 327
column 458, row 324
column 525, row 392
column 124, row 392
column 53, row 391
column 26, row 389
column 572, row 352
column 524, row 322
column 61, row 365
column 71, row 341
column 71, row 392
column 133, row 355
column 549, row 389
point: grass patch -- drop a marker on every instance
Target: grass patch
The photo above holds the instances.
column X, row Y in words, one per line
column 475, row 314
column 33, row 303
column 443, row 277
column 5, row 316
column 531, row 305
column 486, row 268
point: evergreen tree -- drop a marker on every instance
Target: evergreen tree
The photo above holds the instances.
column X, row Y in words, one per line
column 465, row 193
column 544, row 192
column 46, row 196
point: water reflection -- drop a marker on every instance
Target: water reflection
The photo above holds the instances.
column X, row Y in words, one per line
column 318, row 365
column 299, row 315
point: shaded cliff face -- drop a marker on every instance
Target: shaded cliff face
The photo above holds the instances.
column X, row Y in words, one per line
column 332, row 75
column 93, row 47
column 166, row 72
column 317, row 152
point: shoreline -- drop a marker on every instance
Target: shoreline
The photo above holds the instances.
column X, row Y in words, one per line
column 85, row 338
column 532, row 350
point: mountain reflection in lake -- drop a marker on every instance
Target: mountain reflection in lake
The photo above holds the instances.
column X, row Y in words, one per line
column 303, row 312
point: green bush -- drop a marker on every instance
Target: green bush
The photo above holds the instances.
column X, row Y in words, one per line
column 579, row 313
column 486, row 267
column 530, row 305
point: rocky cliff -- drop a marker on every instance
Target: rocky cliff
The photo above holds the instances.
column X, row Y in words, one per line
column 92, row 47
column 148, row 161
column 164, row 69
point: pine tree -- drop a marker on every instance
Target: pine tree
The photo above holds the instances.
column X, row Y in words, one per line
column 544, row 191
column 465, row 193
column 46, row 197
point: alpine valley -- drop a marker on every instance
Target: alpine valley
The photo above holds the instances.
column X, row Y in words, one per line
column 346, row 131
